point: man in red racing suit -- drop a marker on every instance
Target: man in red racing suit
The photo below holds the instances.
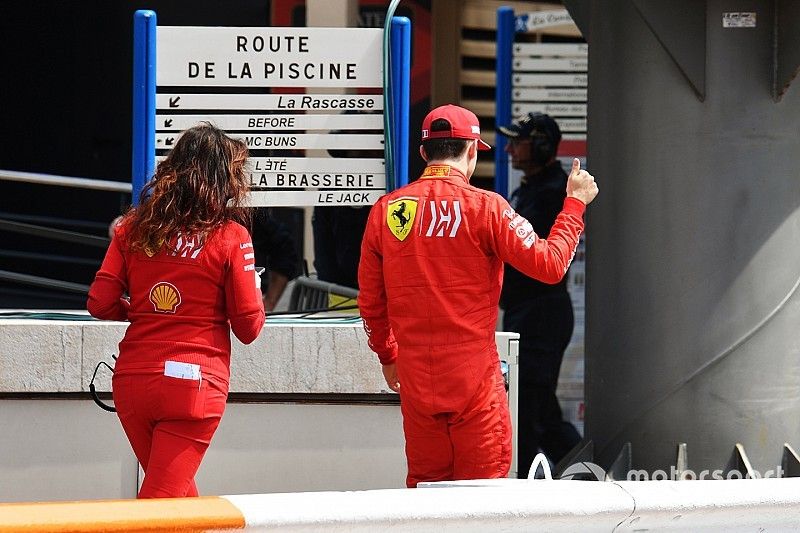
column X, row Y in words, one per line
column 430, row 277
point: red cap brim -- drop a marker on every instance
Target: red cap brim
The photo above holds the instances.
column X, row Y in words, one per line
column 483, row 146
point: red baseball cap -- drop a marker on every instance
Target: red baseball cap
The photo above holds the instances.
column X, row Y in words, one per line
column 463, row 125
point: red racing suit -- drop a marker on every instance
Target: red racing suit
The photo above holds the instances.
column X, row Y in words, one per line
column 430, row 277
column 171, row 378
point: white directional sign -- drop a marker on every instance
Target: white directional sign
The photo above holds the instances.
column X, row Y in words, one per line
column 193, row 59
column 536, row 20
column 547, row 80
column 322, row 180
column 572, row 124
column 337, row 165
column 573, row 137
column 316, row 164
column 299, row 141
column 290, row 198
column 552, row 78
column 554, row 94
column 554, row 110
column 560, row 64
column 551, row 49
column 271, row 102
column 269, row 57
column 263, row 121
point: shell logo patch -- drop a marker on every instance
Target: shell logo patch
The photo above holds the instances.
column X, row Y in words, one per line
column 165, row 297
column 400, row 215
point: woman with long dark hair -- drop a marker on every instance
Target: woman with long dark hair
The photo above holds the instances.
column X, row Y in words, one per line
column 185, row 257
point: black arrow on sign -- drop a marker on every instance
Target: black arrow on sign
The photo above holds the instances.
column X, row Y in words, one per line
column 173, row 102
column 168, row 123
column 169, row 141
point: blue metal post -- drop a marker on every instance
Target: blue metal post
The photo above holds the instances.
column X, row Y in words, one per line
column 401, row 90
column 144, row 100
column 505, row 45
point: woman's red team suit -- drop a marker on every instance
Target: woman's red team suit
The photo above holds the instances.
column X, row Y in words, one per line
column 171, row 378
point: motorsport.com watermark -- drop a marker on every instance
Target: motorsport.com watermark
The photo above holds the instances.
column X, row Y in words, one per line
column 589, row 471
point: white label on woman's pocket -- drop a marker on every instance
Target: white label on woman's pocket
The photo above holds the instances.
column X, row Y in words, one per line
column 174, row 369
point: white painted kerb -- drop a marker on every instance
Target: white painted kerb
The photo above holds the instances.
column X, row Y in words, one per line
column 521, row 505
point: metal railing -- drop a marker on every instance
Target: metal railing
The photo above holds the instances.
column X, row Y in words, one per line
column 65, row 181
column 13, row 226
column 313, row 295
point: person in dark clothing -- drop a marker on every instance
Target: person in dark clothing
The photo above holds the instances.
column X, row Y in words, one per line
column 337, row 242
column 540, row 313
column 338, row 230
column 275, row 249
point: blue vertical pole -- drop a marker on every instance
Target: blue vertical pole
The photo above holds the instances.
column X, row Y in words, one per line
column 505, row 45
column 401, row 91
column 144, row 100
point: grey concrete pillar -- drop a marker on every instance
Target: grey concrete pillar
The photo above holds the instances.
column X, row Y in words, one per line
column 693, row 246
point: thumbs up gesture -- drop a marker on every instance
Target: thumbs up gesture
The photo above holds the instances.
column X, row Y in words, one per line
column 580, row 184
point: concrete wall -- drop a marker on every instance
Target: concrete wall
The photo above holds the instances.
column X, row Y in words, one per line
column 47, row 356
column 56, row 448
column 692, row 301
